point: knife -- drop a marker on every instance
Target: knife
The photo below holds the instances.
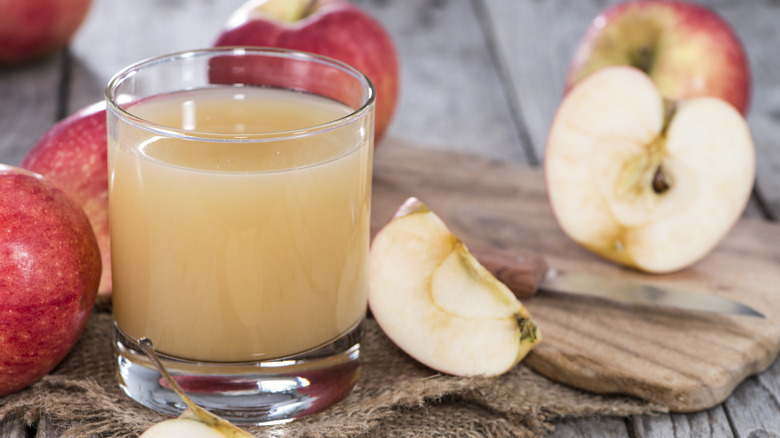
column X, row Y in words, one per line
column 525, row 274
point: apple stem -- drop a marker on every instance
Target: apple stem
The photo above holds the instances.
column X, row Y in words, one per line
column 644, row 59
column 285, row 10
column 670, row 109
column 148, row 348
column 193, row 411
column 528, row 329
column 308, row 9
column 660, row 182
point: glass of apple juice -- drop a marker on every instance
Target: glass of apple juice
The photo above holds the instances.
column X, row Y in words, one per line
column 239, row 194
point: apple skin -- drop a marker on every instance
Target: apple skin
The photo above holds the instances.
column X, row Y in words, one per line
column 49, row 274
column 687, row 49
column 332, row 28
column 33, row 28
column 73, row 156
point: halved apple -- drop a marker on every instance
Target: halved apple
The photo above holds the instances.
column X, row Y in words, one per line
column 436, row 302
column 645, row 182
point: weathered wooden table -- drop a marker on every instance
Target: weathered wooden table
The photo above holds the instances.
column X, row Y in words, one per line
column 481, row 77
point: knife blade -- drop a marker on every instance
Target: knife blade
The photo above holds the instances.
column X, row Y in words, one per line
column 526, row 274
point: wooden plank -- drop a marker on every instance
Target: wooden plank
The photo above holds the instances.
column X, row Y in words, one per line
column 48, row 428
column 756, row 24
column 754, row 406
column 451, row 94
column 28, row 106
column 713, row 423
column 534, row 42
column 608, row 427
column 117, row 34
column 14, row 428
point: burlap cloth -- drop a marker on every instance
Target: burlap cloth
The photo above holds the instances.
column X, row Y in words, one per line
column 395, row 396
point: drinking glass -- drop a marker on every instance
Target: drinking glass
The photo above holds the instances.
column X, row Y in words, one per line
column 239, row 199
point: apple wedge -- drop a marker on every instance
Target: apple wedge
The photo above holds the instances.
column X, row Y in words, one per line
column 435, row 301
column 645, row 182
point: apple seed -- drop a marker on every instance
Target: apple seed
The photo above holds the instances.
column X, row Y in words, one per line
column 660, row 184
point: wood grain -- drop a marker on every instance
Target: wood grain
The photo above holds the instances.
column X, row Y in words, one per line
column 13, row 428
column 686, row 361
column 30, row 97
column 117, row 34
column 451, row 96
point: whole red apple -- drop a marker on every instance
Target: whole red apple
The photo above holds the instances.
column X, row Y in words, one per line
column 33, row 28
column 687, row 49
column 73, row 156
column 333, row 28
column 49, row 274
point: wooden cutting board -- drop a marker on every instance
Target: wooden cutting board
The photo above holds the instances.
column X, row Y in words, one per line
column 687, row 361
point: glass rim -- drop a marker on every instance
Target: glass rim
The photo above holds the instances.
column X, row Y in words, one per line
column 127, row 72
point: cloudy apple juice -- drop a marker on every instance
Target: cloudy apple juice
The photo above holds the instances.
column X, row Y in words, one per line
column 239, row 192
column 244, row 239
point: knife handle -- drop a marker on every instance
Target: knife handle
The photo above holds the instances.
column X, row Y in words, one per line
column 521, row 272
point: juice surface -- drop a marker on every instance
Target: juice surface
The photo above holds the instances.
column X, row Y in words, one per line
column 228, row 251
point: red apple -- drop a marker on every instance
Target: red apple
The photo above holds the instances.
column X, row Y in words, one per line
column 49, row 274
column 333, row 28
column 686, row 49
column 33, row 28
column 73, row 156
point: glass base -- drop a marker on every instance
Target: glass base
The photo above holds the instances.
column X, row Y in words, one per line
column 268, row 392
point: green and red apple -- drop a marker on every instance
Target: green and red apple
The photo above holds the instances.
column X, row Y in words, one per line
column 687, row 49
column 643, row 181
column 332, row 28
column 49, row 275
column 33, row 28
column 436, row 302
column 73, row 156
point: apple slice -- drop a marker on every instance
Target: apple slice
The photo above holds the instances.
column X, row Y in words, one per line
column 646, row 183
column 437, row 303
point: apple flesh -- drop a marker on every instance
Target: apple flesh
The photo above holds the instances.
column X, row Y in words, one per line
column 644, row 182
column 332, row 28
column 49, row 274
column 687, row 49
column 192, row 428
column 33, row 28
column 437, row 303
column 73, row 156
